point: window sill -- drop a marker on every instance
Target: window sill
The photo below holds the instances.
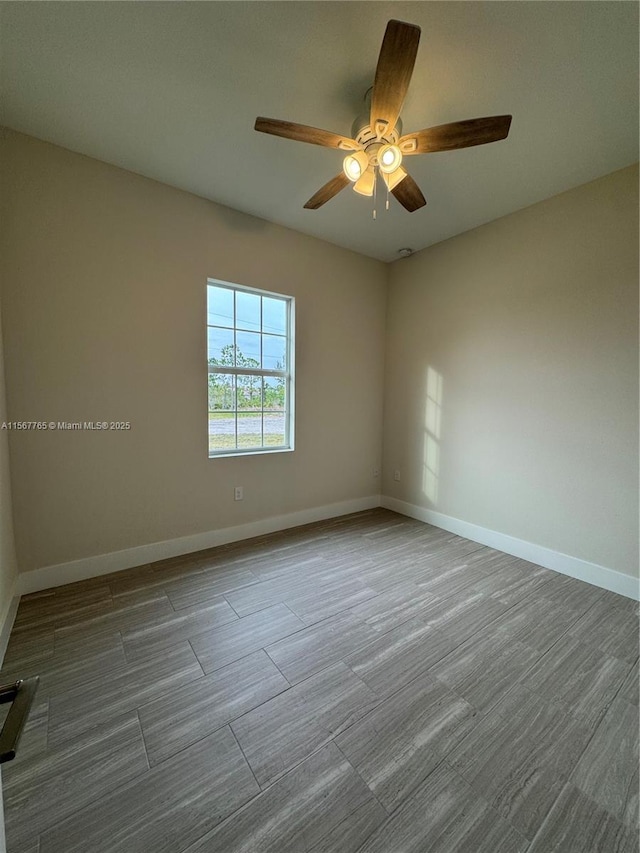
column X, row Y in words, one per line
column 263, row 451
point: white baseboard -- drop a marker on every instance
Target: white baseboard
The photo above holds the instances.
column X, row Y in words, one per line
column 583, row 570
column 7, row 620
column 103, row 564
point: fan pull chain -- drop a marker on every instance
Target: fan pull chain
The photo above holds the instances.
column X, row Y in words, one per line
column 375, row 185
column 387, row 204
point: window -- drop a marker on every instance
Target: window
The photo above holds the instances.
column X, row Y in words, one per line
column 250, row 357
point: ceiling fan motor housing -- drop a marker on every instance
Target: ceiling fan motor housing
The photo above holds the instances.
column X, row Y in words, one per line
column 376, row 142
column 362, row 132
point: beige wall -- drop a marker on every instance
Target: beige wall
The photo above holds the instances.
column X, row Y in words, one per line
column 8, row 566
column 512, row 375
column 511, row 392
column 104, row 301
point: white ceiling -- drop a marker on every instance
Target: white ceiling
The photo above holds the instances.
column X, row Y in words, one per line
column 171, row 90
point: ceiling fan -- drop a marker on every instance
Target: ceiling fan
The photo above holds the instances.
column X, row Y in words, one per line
column 378, row 145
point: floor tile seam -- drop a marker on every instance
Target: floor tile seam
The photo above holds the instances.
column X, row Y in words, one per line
column 383, row 699
column 146, row 657
column 211, row 597
column 478, row 547
column 439, row 552
column 481, row 628
column 67, row 742
column 325, row 666
column 465, row 586
column 235, row 622
column 568, row 784
column 364, row 782
column 286, row 690
column 26, row 623
column 588, row 610
column 206, row 601
column 215, row 672
column 547, row 702
column 98, row 626
column 273, row 780
column 411, row 793
column 122, row 670
column 598, row 591
column 246, row 760
column 49, row 623
column 99, row 796
column 135, row 590
column 411, row 680
column 303, row 627
column 173, row 607
column 563, row 778
column 483, row 712
column 344, row 609
column 198, row 661
column 542, row 654
column 87, row 681
column 112, row 604
column 592, row 645
column 231, row 605
column 260, row 609
column 144, row 741
column 593, row 734
column 330, row 735
column 246, row 615
column 521, row 675
column 480, row 794
column 279, row 670
column 215, row 730
column 590, row 648
column 485, row 598
column 536, row 592
column 526, row 595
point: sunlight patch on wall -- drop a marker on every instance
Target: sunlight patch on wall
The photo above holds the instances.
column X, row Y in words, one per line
column 433, row 423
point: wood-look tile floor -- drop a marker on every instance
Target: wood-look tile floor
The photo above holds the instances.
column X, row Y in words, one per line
column 368, row 683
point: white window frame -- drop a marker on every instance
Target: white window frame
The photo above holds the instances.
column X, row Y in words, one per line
column 287, row 374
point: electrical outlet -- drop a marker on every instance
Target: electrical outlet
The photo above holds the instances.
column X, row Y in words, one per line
column 238, row 493
column 396, row 475
column 376, row 472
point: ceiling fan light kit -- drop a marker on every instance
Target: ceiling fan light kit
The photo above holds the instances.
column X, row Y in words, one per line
column 378, row 147
column 366, row 184
column 393, row 179
column 389, row 159
column 355, row 165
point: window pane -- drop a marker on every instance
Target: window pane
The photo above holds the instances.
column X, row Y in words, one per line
column 221, row 392
column 274, row 352
column 220, row 346
column 247, row 311
column 249, row 429
column 249, row 390
column 247, row 339
column 248, row 349
column 274, row 429
column 274, row 392
column 219, row 306
column 274, row 315
column 222, row 431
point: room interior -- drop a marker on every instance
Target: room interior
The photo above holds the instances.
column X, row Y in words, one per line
column 417, row 629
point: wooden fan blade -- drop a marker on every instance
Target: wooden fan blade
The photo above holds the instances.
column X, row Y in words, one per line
column 328, row 191
column 393, row 74
column 409, row 194
column 459, row 134
column 303, row 133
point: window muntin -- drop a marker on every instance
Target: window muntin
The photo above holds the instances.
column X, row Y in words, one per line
column 250, row 370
